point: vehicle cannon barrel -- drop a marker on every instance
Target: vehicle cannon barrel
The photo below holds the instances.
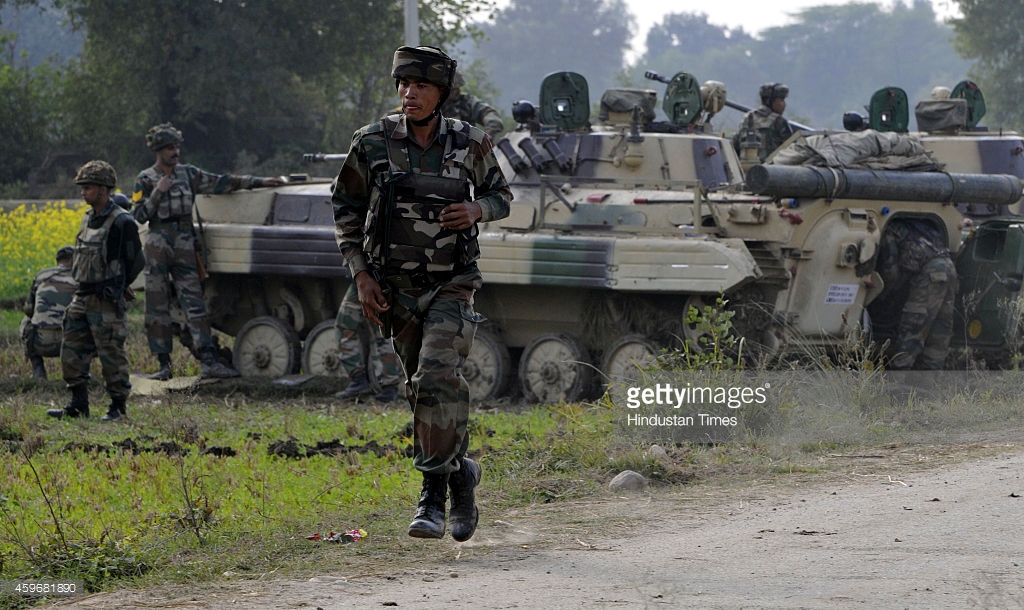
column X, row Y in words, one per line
column 839, row 183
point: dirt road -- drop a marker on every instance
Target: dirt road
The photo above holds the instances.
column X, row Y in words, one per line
column 883, row 534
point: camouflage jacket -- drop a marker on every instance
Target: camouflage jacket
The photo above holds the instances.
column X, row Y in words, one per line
column 465, row 107
column 906, row 247
column 771, row 129
column 459, row 150
column 177, row 202
column 51, row 293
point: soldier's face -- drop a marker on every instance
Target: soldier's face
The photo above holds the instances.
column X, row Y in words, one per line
column 779, row 105
column 419, row 99
column 93, row 194
column 168, row 155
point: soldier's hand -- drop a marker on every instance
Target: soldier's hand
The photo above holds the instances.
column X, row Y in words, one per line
column 371, row 297
column 460, row 216
column 271, row 181
column 164, row 183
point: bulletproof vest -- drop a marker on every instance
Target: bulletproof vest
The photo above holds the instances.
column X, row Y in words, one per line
column 90, row 264
column 179, row 198
column 761, row 125
column 54, row 290
column 416, row 241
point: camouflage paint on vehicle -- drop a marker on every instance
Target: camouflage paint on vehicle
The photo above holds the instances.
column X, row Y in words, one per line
column 617, row 229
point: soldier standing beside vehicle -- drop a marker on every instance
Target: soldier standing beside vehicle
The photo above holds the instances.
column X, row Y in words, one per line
column 108, row 257
column 764, row 129
column 466, row 107
column 50, row 294
column 406, row 204
column 920, row 286
column 359, row 344
column 164, row 196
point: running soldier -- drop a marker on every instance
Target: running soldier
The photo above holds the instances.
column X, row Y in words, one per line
column 406, row 204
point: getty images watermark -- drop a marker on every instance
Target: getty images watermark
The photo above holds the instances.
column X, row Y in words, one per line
column 692, row 406
column 814, row 406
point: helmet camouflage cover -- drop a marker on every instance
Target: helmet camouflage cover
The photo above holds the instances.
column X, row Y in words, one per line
column 97, row 172
column 65, row 253
column 162, row 135
column 771, row 91
column 428, row 64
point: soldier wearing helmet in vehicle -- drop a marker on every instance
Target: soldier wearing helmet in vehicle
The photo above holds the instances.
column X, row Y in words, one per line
column 50, row 294
column 466, row 107
column 164, row 196
column 107, row 259
column 764, row 129
column 406, row 206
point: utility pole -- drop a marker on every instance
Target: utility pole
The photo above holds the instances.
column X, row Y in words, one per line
column 412, row 24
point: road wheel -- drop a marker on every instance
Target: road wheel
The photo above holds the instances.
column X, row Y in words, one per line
column 267, row 347
column 320, row 351
column 624, row 360
column 554, row 368
column 488, row 367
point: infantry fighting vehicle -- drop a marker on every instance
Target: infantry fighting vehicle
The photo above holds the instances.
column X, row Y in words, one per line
column 620, row 227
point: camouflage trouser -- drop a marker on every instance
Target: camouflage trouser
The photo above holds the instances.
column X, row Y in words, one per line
column 434, row 330
column 170, row 253
column 360, row 342
column 926, row 322
column 42, row 342
column 95, row 327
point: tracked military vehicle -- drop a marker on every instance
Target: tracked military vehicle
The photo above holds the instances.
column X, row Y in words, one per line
column 620, row 227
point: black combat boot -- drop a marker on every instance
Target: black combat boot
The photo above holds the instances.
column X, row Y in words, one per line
column 38, row 367
column 164, row 372
column 358, row 386
column 387, row 394
column 429, row 519
column 211, row 368
column 464, row 514
column 117, row 410
column 79, row 405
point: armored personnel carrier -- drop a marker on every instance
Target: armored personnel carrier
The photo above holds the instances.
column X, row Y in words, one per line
column 620, row 228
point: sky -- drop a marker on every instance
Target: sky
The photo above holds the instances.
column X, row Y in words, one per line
column 752, row 15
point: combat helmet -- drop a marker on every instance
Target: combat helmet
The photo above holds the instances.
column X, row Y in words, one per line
column 428, row 64
column 162, row 135
column 771, row 91
column 97, row 172
column 65, row 253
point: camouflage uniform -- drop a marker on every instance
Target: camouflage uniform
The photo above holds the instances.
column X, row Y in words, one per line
column 360, row 343
column 108, row 258
column 921, row 284
column 41, row 328
column 432, row 271
column 171, row 253
column 465, row 107
column 769, row 127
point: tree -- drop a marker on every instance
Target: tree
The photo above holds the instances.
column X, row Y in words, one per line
column 243, row 80
column 833, row 57
column 529, row 39
column 992, row 32
column 26, row 109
